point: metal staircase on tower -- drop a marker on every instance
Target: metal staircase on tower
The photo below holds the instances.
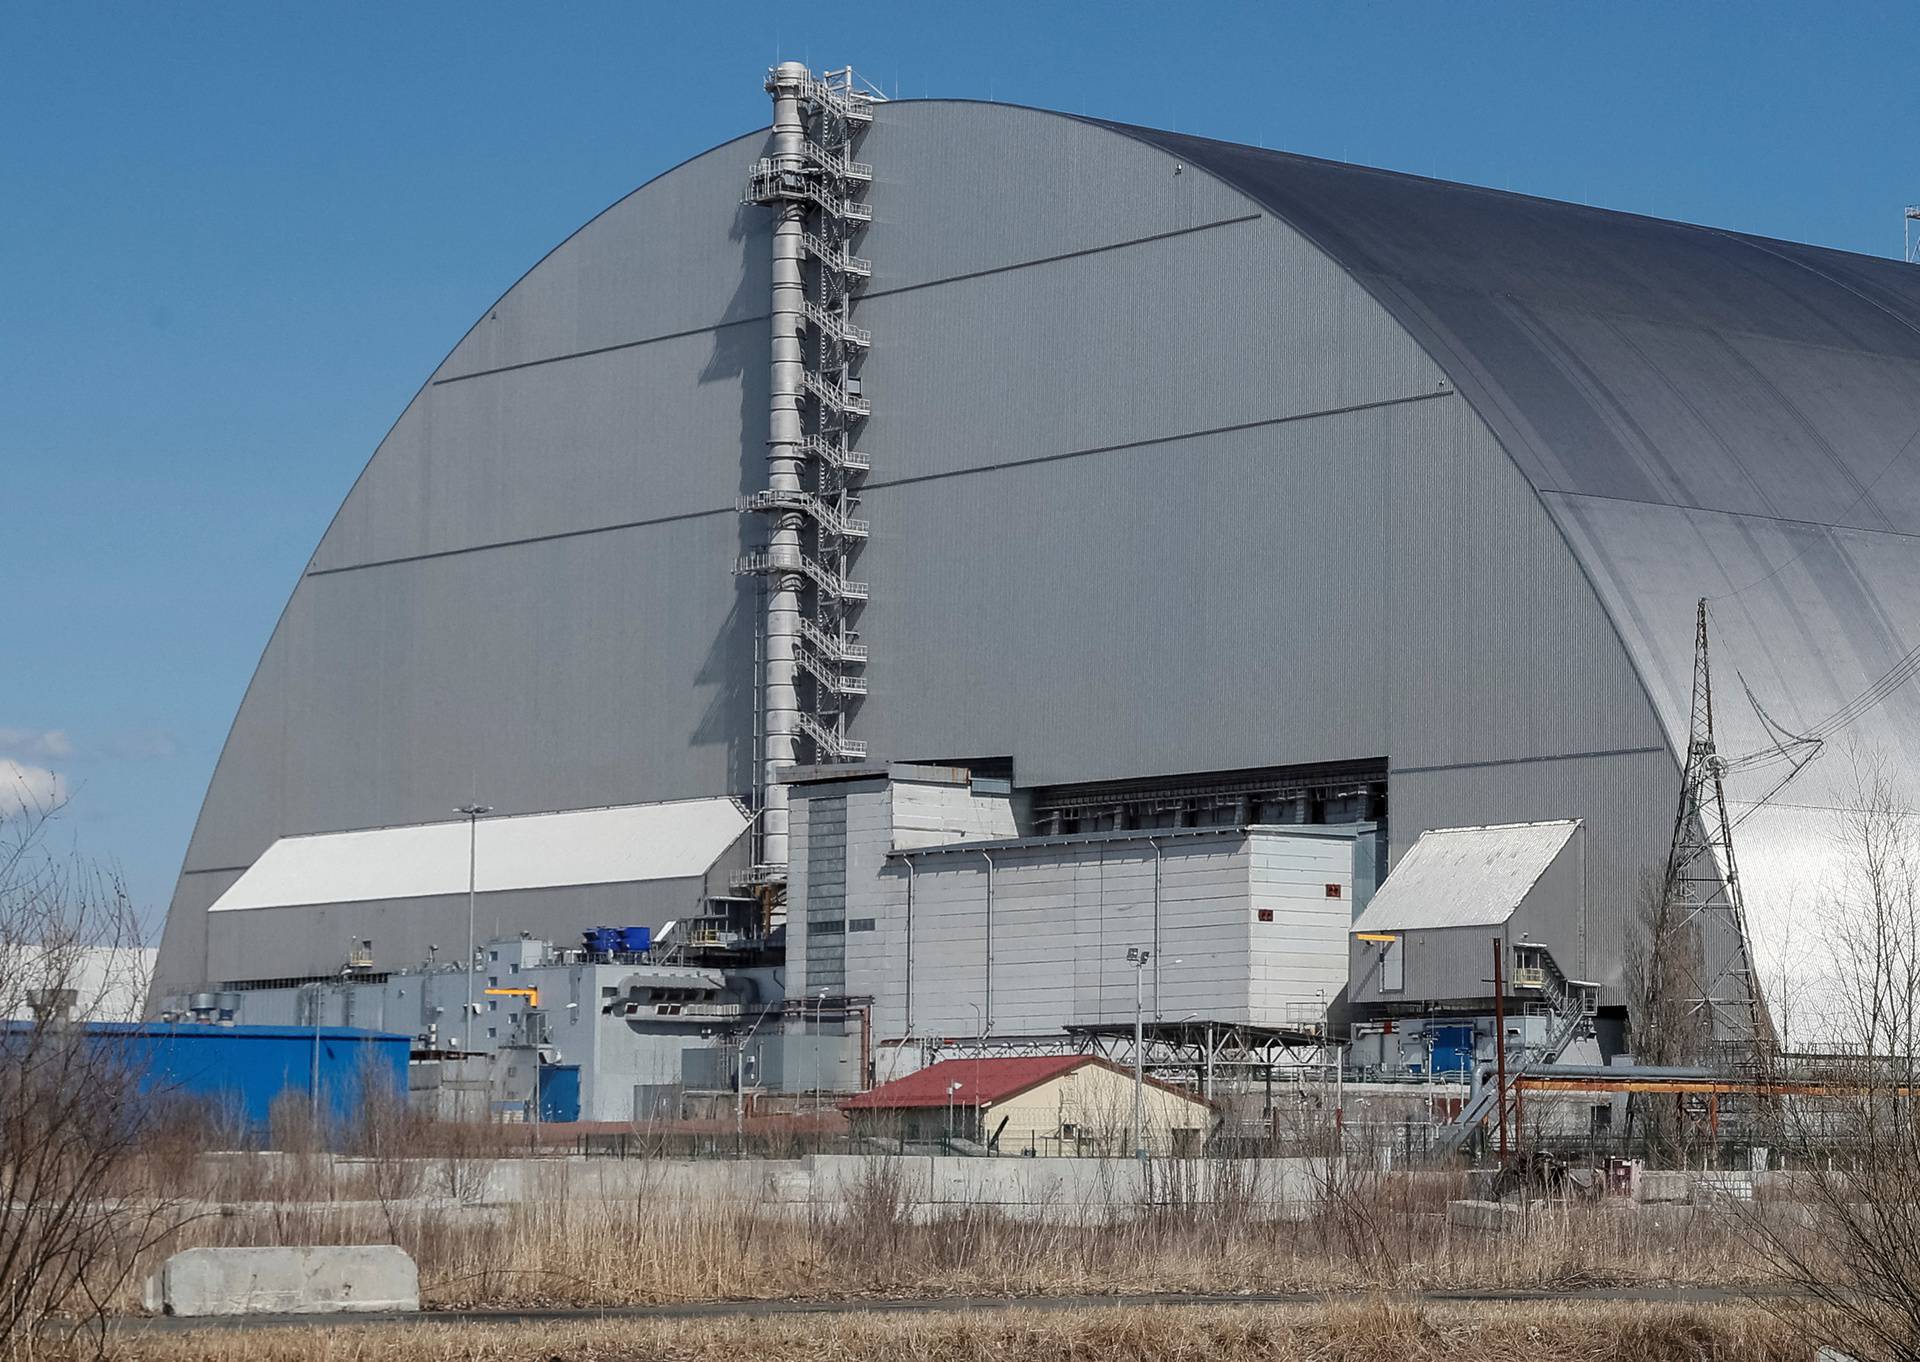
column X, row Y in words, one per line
column 810, row 657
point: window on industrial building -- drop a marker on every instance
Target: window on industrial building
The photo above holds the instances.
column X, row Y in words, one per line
column 1393, row 966
column 861, row 924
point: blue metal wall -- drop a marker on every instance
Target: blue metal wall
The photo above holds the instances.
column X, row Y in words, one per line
column 243, row 1069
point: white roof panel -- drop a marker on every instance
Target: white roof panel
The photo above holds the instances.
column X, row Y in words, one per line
column 1465, row 877
column 616, row 845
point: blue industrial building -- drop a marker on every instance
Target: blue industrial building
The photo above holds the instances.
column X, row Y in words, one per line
column 242, row 1070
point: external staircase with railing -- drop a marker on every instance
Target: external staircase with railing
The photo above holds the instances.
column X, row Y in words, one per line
column 1570, row 1005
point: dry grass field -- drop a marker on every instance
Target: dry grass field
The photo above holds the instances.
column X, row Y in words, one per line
column 1379, row 1331
column 1382, row 1234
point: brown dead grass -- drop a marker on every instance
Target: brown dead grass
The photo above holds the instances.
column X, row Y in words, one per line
column 1372, row 1331
column 651, row 1249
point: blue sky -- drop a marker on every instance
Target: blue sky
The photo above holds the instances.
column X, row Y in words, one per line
column 237, row 237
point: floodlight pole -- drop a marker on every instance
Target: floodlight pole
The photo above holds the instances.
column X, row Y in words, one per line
column 1138, row 959
column 471, row 812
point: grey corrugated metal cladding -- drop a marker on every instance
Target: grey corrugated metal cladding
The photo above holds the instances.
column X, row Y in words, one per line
column 1271, row 461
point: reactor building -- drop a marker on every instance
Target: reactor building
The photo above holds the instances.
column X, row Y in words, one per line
column 953, row 569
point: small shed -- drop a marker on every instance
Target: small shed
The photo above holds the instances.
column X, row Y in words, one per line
column 1042, row 1105
column 1427, row 935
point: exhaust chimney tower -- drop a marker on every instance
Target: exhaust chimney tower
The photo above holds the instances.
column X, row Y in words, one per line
column 810, row 654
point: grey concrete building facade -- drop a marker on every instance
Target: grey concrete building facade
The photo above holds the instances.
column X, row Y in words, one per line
column 1187, row 457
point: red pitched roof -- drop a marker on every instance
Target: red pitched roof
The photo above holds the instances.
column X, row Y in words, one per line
column 982, row 1082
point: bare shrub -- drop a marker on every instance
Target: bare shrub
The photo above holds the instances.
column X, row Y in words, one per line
column 464, row 1163
column 1845, row 1233
column 79, row 1204
column 1663, row 966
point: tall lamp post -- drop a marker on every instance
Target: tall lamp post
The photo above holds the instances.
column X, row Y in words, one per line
column 1138, row 959
column 819, row 1006
column 472, row 813
column 952, row 1088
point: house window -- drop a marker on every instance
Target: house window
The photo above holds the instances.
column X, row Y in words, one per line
column 1393, row 966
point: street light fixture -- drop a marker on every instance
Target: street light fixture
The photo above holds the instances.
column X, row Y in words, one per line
column 472, row 813
column 1138, row 959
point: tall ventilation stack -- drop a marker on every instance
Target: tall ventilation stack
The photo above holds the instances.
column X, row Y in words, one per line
column 811, row 657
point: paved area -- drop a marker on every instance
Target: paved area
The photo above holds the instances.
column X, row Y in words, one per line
column 1677, row 1295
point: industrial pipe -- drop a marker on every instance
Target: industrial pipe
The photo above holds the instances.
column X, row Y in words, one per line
column 909, row 989
column 1154, row 842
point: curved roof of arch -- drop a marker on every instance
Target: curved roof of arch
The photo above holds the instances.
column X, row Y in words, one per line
column 1703, row 412
column 1699, row 412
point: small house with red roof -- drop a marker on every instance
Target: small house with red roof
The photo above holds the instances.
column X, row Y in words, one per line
column 1040, row 1105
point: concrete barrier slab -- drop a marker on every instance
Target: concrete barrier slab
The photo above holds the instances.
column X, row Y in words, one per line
column 285, row 1281
column 1483, row 1215
column 1657, row 1186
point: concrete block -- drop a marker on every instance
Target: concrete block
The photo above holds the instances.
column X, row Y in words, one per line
column 1483, row 1215
column 1669, row 1217
column 1654, row 1186
column 276, row 1281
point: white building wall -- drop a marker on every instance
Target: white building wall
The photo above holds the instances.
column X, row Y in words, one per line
column 1065, row 914
column 1299, row 960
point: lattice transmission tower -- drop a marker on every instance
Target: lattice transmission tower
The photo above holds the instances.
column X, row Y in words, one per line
column 1701, row 981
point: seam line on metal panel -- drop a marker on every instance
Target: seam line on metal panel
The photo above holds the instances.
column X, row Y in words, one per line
column 1738, row 515
column 521, row 542
column 1147, row 443
column 1147, row 240
column 1521, row 761
column 866, row 293
column 213, row 869
column 1165, row 439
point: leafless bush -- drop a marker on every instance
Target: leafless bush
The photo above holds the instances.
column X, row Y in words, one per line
column 79, row 1200
column 464, row 1163
column 1846, row 1238
column 1664, row 965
